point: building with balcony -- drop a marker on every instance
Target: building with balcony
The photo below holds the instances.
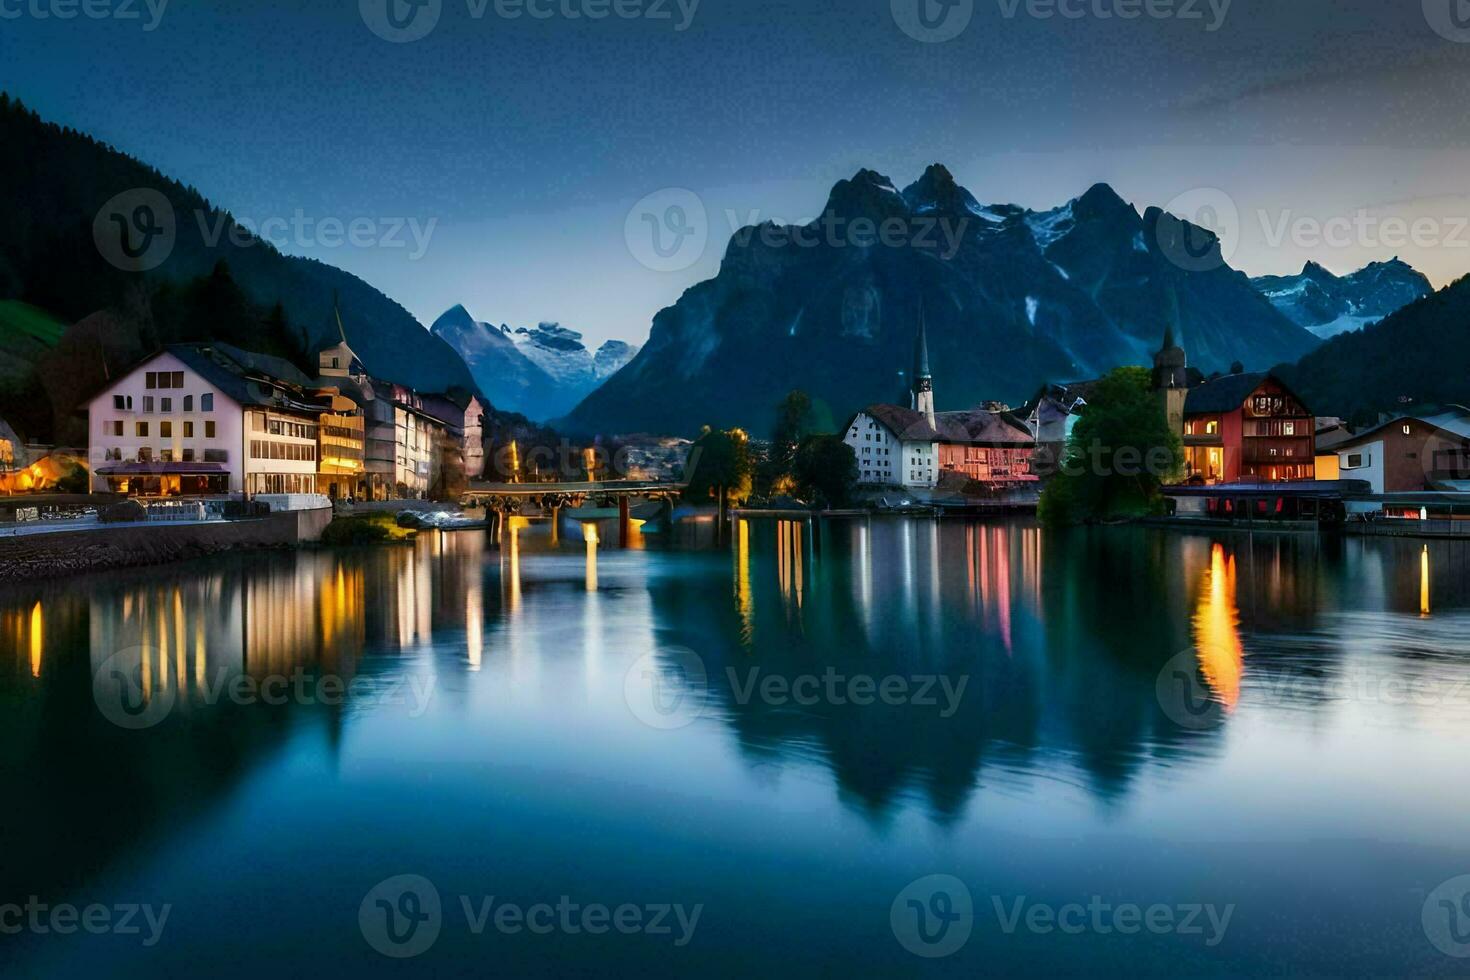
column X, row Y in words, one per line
column 1247, row 427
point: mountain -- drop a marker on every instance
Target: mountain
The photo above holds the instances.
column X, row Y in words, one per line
column 1329, row 305
column 56, row 189
column 1419, row 356
column 1013, row 298
column 541, row 372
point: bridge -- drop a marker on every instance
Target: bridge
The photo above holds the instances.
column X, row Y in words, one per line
column 502, row 500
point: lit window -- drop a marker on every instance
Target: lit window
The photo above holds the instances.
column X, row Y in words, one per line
column 1408, row 430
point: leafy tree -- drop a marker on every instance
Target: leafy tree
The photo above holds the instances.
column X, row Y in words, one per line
column 826, row 470
column 773, row 474
column 722, row 467
column 1120, row 453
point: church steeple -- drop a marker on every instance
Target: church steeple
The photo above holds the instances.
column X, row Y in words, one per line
column 923, row 385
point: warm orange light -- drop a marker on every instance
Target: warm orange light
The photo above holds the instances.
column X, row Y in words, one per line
column 1424, row 609
column 1217, row 630
column 37, row 636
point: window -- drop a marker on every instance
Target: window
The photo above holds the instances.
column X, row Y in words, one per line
column 206, row 402
column 115, row 428
column 147, row 404
column 151, row 380
column 178, row 380
column 188, row 430
column 166, row 455
column 168, row 404
column 335, row 362
column 141, row 430
column 166, row 430
column 1408, row 430
column 208, row 428
column 188, row 455
column 216, row 456
column 1288, row 428
column 123, row 403
column 1355, row 461
column 188, row 403
column 1212, row 427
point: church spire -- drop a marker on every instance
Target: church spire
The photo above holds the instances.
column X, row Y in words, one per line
column 923, row 389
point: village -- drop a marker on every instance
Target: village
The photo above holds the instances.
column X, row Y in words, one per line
column 210, row 422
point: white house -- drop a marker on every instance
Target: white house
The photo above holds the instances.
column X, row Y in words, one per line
column 205, row 419
column 894, row 447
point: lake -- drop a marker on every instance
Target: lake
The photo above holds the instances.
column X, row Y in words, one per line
column 892, row 747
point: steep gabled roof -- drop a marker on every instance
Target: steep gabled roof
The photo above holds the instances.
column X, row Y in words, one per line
column 974, row 427
column 1223, row 394
column 243, row 375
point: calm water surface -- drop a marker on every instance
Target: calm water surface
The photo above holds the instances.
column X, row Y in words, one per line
column 621, row 730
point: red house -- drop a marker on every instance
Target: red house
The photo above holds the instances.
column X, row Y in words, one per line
column 1247, row 427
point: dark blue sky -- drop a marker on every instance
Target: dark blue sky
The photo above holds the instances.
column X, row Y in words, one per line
column 527, row 141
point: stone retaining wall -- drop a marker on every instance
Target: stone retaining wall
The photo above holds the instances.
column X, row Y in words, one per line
column 61, row 553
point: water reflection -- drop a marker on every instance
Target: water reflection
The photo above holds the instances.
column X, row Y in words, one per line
column 1057, row 638
column 1217, row 630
